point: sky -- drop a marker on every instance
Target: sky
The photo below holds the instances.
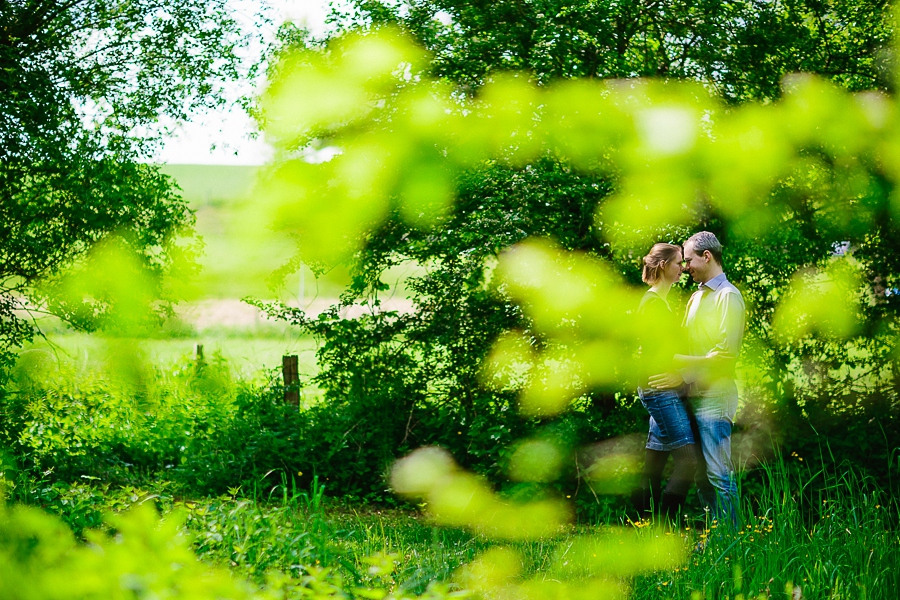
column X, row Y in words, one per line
column 228, row 130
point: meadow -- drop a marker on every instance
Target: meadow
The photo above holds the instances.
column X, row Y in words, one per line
column 90, row 448
column 272, row 536
column 135, row 445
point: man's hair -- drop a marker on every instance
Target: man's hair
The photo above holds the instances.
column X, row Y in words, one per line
column 704, row 241
column 653, row 262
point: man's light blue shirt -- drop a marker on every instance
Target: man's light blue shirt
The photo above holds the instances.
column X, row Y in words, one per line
column 714, row 322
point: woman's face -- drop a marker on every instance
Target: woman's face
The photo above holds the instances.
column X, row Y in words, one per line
column 672, row 271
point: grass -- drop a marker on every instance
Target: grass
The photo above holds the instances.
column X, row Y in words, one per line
column 840, row 541
column 250, row 353
column 806, row 534
column 255, row 538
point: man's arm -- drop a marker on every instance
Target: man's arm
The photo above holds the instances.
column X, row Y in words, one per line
column 721, row 360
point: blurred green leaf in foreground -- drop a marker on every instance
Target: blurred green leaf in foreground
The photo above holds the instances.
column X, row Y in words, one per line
column 676, row 155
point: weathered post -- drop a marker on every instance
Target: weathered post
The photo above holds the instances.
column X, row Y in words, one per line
column 198, row 357
column 291, row 372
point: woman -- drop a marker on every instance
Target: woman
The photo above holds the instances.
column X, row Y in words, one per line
column 670, row 425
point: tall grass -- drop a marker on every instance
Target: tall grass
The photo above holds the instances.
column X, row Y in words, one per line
column 828, row 533
column 807, row 535
column 822, row 534
column 294, row 531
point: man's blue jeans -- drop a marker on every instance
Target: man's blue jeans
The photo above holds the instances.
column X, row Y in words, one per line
column 713, row 416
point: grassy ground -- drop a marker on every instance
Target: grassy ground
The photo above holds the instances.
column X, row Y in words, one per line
column 844, row 543
column 250, row 353
column 841, row 541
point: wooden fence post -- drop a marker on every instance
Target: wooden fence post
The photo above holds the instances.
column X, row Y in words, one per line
column 291, row 373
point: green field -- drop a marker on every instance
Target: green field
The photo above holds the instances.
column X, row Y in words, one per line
column 251, row 355
column 233, row 265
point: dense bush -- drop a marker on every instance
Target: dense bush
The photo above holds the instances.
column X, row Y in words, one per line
column 197, row 431
column 551, row 153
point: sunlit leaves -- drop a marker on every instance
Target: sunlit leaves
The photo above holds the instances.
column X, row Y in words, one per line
column 499, row 573
column 496, row 568
column 421, row 471
column 622, row 553
column 674, row 149
column 587, row 316
column 821, row 302
column 503, row 122
column 583, row 123
column 748, row 156
column 457, row 498
column 816, row 112
column 113, row 284
column 316, row 93
column 427, row 193
column 327, row 215
column 613, row 472
column 147, row 557
column 536, row 460
column 510, row 361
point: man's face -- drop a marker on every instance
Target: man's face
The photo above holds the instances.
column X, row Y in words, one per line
column 696, row 264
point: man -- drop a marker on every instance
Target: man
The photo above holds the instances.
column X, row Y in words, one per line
column 714, row 321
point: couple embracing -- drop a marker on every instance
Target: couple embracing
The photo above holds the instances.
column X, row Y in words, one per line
column 692, row 404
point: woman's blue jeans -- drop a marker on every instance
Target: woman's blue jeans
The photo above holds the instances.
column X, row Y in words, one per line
column 670, row 423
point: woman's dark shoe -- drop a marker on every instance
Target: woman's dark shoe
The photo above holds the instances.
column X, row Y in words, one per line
column 670, row 507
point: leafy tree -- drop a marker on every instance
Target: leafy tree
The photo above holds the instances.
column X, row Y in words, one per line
column 83, row 84
column 740, row 50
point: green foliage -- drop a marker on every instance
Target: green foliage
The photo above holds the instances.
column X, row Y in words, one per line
column 839, row 541
column 145, row 557
column 741, row 49
column 120, row 430
column 426, row 364
column 83, row 86
column 195, row 426
column 205, row 432
column 605, row 168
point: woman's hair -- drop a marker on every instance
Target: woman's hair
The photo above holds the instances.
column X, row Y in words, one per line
column 653, row 262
